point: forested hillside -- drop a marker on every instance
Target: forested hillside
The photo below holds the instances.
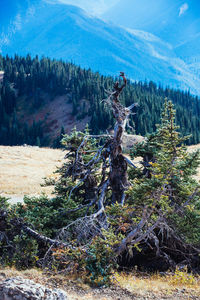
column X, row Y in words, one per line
column 31, row 85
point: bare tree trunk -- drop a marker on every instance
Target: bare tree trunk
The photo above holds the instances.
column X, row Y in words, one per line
column 118, row 163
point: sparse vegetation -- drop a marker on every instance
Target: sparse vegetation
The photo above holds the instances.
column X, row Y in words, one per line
column 125, row 286
column 178, row 285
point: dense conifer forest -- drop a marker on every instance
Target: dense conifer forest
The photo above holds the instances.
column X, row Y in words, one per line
column 32, row 78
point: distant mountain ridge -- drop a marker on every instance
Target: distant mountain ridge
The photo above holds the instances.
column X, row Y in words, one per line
column 173, row 21
column 68, row 32
column 176, row 22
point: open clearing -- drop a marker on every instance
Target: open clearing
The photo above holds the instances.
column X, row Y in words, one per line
column 1, row 76
column 22, row 169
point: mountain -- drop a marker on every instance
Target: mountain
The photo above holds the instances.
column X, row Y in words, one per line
column 173, row 21
column 68, row 32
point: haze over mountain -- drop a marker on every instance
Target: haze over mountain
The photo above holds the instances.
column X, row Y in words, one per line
column 176, row 22
column 68, row 32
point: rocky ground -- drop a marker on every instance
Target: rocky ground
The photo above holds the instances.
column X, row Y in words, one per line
column 126, row 287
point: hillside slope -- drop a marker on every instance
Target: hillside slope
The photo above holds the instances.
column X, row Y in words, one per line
column 42, row 98
column 27, row 166
column 173, row 21
column 67, row 32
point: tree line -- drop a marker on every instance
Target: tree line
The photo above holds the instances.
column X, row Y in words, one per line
column 29, row 78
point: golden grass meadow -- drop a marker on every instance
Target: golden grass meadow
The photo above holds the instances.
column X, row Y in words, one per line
column 24, row 167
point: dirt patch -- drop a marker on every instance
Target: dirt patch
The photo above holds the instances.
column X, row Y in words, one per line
column 130, row 139
column 192, row 149
column 54, row 113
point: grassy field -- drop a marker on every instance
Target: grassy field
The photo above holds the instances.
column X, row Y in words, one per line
column 23, row 168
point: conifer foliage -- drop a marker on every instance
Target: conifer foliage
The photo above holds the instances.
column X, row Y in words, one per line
column 28, row 81
column 110, row 213
column 151, row 222
column 165, row 183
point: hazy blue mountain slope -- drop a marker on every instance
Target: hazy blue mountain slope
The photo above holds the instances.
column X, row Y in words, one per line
column 67, row 32
column 176, row 22
column 9, row 9
column 190, row 50
column 173, row 21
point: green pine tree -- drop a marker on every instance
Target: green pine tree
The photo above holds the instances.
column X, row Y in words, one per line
column 166, row 180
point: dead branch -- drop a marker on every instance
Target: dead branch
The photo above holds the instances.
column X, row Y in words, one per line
column 101, row 208
column 133, row 233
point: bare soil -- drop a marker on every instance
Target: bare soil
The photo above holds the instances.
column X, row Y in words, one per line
column 54, row 113
column 1, row 75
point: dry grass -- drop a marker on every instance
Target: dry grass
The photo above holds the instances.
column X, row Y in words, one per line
column 76, row 290
column 125, row 287
column 23, row 169
column 180, row 285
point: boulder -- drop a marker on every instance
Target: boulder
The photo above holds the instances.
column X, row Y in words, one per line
column 18, row 288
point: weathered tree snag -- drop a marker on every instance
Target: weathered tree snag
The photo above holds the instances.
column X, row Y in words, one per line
column 118, row 163
column 110, row 155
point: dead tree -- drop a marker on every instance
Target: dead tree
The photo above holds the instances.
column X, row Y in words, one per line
column 118, row 163
column 110, row 156
column 156, row 236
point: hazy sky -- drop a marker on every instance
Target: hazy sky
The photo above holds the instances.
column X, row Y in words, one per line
column 96, row 7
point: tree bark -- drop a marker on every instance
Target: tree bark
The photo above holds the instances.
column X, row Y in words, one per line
column 118, row 163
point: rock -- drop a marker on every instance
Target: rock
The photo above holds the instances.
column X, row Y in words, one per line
column 18, row 288
column 130, row 139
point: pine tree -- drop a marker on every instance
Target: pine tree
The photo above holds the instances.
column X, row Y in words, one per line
column 74, row 171
column 166, row 178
